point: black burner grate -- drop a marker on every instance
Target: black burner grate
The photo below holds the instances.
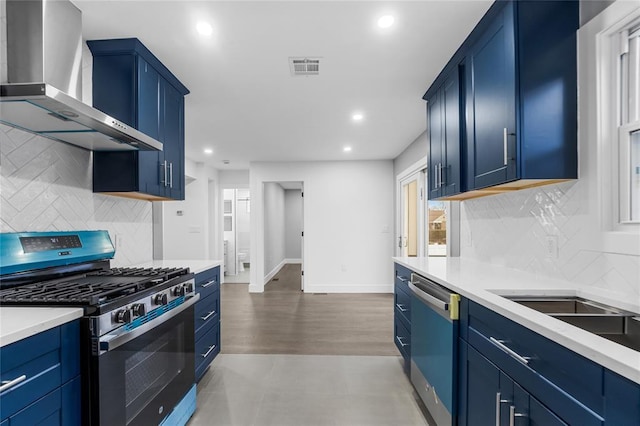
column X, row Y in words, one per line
column 93, row 289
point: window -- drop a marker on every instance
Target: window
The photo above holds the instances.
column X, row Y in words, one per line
column 437, row 225
column 628, row 91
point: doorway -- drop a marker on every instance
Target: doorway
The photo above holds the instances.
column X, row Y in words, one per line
column 236, row 214
column 410, row 240
column 283, row 228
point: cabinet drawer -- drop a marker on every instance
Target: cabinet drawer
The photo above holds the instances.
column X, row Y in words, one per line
column 402, row 276
column 208, row 281
column 402, row 338
column 552, row 372
column 207, row 313
column 402, row 303
column 37, row 358
column 622, row 400
column 207, row 347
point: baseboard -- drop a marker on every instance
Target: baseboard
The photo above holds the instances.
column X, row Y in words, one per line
column 293, row 261
column 274, row 271
column 348, row 288
column 255, row 289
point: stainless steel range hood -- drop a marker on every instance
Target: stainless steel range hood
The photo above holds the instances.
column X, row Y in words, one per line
column 44, row 80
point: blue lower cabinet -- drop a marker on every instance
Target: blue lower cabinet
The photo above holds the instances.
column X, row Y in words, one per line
column 622, row 400
column 49, row 393
column 207, row 347
column 207, row 319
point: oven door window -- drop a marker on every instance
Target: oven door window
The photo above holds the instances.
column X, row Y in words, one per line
column 141, row 381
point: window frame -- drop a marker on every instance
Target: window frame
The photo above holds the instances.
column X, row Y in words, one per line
column 599, row 122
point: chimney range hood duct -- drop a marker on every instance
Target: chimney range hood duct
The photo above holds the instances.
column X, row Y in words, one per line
column 44, row 80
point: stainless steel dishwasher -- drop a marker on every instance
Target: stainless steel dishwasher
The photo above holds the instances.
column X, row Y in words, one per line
column 434, row 337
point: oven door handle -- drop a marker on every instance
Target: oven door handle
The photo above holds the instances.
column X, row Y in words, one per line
column 111, row 341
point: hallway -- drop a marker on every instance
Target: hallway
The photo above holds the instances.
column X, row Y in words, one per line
column 285, row 320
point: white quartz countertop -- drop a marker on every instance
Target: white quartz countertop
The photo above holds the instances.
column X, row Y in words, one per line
column 485, row 283
column 17, row 323
column 195, row 266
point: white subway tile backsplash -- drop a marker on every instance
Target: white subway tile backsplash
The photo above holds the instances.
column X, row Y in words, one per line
column 46, row 186
column 514, row 229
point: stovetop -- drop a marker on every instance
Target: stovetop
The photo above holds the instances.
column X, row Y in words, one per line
column 101, row 290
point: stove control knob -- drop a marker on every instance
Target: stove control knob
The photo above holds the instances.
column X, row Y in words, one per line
column 179, row 290
column 123, row 316
column 189, row 287
column 160, row 299
column 139, row 309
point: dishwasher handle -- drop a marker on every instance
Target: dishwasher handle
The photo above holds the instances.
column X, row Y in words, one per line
column 429, row 299
column 436, row 296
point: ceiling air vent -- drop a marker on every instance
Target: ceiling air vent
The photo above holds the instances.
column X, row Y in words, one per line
column 304, row 66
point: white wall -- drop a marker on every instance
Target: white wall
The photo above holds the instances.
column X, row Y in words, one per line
column 274, row 225
column 47, row 186
column 243, row 221
column 347, row 206
column 234, row 178
column 293, row 224
column 183, row 229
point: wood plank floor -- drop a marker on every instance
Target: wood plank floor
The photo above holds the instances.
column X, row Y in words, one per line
column 284, row 320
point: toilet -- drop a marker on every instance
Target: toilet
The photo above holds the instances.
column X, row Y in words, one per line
column 241, row 259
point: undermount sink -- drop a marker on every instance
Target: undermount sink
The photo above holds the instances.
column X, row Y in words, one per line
column 614, row 324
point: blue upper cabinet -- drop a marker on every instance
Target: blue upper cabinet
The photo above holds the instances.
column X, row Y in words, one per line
column 518, row 97
column 491, row 114
column 132, row 85
column 444, row 137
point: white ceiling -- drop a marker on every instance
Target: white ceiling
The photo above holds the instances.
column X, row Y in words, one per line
column 246, row 105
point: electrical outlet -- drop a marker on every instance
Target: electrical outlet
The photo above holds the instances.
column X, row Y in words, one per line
column 119, row 242
column 552, row 246
column 343, row 268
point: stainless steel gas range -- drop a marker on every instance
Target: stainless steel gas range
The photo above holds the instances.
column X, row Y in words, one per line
column 137, row 332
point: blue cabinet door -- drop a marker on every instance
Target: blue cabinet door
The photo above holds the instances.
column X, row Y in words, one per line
column 480, row 386
column 622, row 400
column 173, row 140
column 434, row 118
column 491, row 104
column 450, row 174
column 149, row 122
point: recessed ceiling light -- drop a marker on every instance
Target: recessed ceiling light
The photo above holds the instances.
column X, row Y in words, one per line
column 385, row 21
column 208, row 151
column 204, row 28
column 226, row 161
column 357, row 116
column 347, row 149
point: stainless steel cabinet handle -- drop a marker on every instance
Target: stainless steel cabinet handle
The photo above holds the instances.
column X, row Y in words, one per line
column 513, row 415
column 504, row 141
column 170, row 175
column 435, row 177
column 440, row 174
column 6, row 384
column 206, row 317
column 206, row 354
column 499, row 402
column 399, row 306
column 165, row 173
column 403, row 279
column 500, row 343
column 399, row 339
column 208, row 284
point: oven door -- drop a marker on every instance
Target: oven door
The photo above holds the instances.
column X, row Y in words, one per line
column 142, row 375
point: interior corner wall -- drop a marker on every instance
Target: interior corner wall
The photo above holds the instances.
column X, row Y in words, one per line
column 293, row 224
column 348, row 212
column 183, row 229
column 274, row 228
